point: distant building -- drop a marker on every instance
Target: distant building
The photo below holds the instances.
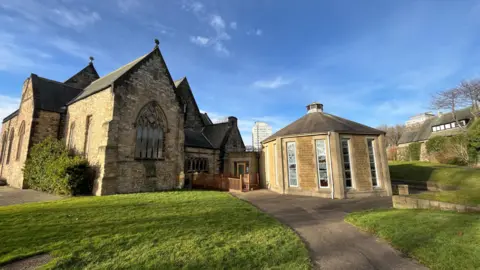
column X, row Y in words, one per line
column 260, row 132
column 418, row 119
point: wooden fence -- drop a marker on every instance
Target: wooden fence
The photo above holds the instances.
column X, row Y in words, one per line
column 226, row 183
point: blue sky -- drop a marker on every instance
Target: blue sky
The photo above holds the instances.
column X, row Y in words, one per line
column 375, row 62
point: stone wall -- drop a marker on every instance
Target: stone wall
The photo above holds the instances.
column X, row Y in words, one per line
column 409, row 202
column 83, row 78
column 192, row 116
column 100, row 107
column 234, row 142
column 45, row 124
column 12, row 172
column 149, row 82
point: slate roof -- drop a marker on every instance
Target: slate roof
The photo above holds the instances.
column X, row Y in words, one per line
column 50, row 95
column 88, row 70
column 216, row 133
column 320, row 122
column 10, row 116
column 195, row 138
column 107, row 80
column 424, row 131
column 206, row 120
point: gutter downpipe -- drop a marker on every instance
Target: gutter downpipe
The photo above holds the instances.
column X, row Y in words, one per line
column 331, row 169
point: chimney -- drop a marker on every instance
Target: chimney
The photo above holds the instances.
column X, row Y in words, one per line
column 232, row 121
column 314, row 107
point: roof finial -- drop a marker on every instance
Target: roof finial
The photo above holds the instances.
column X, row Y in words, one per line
column 91, row 59
column 157, row 42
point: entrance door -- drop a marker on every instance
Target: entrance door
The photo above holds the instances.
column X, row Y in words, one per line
column 241, row 168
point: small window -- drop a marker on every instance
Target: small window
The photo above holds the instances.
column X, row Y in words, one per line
column 454, row 124
column 442, row 127
column 292, row 164
column 88, row 132
column 371, row 157
column 275, row 162
column 447, row 126
column 346, row 163
column 4, row 146
column 20, row 140
column 321, row 151
column 10, row 144
column 71, row 135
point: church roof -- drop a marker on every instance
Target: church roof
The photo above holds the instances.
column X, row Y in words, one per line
column 50, row 95
column 107, row 80
column 206, row 119
column 216, row 133
column 10, row 116
column 79, row 79
column 320, row 122
column 195, row 138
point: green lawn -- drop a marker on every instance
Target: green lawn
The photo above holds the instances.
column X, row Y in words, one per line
column 439, row 240
column 466, row 179
column 169, row 230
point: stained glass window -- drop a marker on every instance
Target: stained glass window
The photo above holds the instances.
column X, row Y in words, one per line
column 322, row 163
column 150, row 125
column 371, row 157
column 346, row 162
column 292, row 164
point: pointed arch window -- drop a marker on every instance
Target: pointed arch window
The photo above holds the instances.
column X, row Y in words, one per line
column 150, row 128
column 10, row 143
column 4, row 146
column 21, row 132
column 71, row 135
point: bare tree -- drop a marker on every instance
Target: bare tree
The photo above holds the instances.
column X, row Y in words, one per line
column 449, row 100
column 470, row 90
column 393, row 133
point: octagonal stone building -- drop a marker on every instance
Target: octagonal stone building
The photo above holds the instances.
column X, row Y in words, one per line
column 324, row 155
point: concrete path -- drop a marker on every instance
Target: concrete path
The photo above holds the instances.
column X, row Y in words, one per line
column 333, row 244
column 9, row 196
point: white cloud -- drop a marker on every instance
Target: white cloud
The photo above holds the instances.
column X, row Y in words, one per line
column 217, row 22
column 14, row 56
column 220, row 48
column 73, row 48
column 163, row 29
column 233, row 25
column 8, row 105
column 199, row 40
column 43, row 14
column 75, row 19
column 194, row 6
column 272, row 84
column 127, row 5
column 255, row 32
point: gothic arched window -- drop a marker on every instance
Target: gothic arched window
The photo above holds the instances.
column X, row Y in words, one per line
column 71, row 135
column 4, row 146
column 10, row 142
column 21, row 132
column 150, row 128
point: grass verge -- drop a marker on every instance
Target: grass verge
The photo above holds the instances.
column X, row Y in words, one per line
column 438, row 239
column 169, row 230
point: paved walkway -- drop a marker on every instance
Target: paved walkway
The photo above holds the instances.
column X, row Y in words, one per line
column 333, row 244
column 9, row 196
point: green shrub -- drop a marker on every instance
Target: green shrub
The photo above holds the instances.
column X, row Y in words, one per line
column 436, row 144
column 50, row 168
column 413, row 151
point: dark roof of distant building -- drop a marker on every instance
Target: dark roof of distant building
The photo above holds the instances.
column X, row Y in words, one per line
column 424, row 131
column 50, row 95
column 320, row 122
column 216, row 133
column 206, row 119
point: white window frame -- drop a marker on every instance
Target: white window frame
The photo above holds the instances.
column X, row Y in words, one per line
column 374, row 162
column 350, row 161
column 447, row 126
column 275, row 162
column 288, row 164
column 326, row 164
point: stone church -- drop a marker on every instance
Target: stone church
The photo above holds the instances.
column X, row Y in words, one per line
column 140, row 128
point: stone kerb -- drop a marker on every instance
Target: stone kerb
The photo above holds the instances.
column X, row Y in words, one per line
column 408, row 202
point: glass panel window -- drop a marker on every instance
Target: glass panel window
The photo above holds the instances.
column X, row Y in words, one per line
column 275, row 162
column 371, row 158
column 321, row 150
column 442, row 127
column 292, row 164
column 447, row 126
column 346, row 162
column 454, row 124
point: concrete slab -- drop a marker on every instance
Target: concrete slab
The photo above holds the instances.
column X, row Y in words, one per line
column 333, row 243
column 9, row 196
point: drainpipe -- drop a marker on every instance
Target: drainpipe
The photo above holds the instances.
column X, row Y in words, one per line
column 331, row 170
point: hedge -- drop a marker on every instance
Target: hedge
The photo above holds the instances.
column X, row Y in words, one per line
column 51, row 168
column 413, row 151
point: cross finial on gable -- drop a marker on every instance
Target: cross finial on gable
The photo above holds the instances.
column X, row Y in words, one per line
column 157, row 42
column 91, row 59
